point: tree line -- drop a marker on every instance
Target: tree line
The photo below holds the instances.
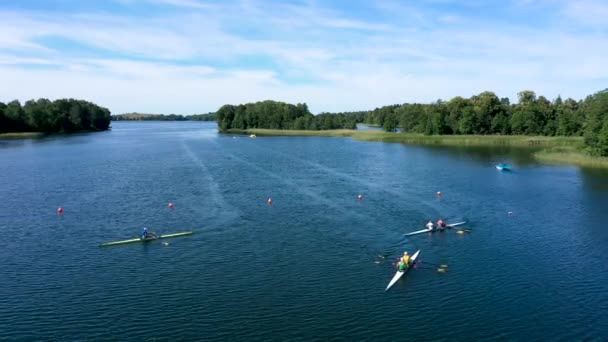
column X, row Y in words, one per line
column 279, row 115
column 42, row 115
column 163, row 117
column 486, row 113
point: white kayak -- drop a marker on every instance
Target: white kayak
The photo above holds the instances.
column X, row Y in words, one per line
column 400, row 273
column 447, row 226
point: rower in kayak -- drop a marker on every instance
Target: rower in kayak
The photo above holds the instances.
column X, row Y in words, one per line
column 441, row 223
column 145, row 234
column 430, row 226
column 404, row 262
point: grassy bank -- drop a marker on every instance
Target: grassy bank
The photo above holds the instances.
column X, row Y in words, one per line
column 570, row 156
column 302, row 133
column 553, row 150
column 468, row 140
column 421, row 139
column 20, row 135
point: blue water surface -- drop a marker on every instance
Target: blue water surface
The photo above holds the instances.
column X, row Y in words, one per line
column 311, row 266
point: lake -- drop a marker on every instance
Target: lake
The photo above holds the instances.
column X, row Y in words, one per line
column 311, row 266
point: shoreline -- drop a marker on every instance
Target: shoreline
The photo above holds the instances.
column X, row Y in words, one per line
column 21, row 135
column 553, row 150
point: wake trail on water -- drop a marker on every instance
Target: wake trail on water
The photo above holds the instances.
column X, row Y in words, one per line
column 221, row 208
column 298, row 188
column 372, row 250
column 363, row 182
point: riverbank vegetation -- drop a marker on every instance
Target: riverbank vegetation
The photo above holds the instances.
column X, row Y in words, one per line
column 552, row 150
column 486, row 114
column 481, row 120
column 163, row 117
column 21, row 135
column 44, row 116
column 535, row 142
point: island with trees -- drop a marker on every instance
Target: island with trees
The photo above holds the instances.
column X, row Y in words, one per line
column 44, row 117
column 279, row 116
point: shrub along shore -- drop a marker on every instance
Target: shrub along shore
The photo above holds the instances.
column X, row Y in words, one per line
column 553, row 150
column 21, row 135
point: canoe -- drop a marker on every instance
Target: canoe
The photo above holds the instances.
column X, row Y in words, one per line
column 426, row 230
column 400, row 273
column 123, row 242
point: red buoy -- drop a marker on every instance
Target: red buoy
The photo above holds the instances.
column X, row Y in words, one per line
column 60, row 210
column 269, row 201
column 170, row 205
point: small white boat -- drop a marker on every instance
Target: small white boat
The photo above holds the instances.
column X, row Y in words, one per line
column 252, row 136
column 400, row 273
column 503, row 167
column 447, row 226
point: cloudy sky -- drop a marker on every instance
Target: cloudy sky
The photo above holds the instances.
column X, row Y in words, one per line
column 192, row 56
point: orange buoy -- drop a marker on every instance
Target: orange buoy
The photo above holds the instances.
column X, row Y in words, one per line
column 269, row 201
column 170, row 205
column 60, row 210
column 360, row 197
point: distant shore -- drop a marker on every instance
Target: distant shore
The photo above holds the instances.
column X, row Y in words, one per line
column 21, row 135
column 553, row 150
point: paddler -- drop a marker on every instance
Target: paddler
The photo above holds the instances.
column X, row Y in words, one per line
column 405, row 258
column 145, row 234
column 401, row 265
column 429, row 225
column 441, row 223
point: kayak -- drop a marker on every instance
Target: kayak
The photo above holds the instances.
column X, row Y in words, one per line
column 447, row 226
column 400, row 273
column 123, row 242
column 503, row 167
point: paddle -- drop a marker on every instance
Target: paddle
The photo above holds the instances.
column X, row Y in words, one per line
column 464, row 230
column 433, row 264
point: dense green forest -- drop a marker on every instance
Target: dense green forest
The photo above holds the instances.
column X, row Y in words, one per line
column 279, row 115
column 487, row 114
column 163, row 117
column 482, row 114
column 64, row 115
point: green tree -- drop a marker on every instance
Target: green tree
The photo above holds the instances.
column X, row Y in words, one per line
column 596, row 109
column 568, row 118
column 390, row 122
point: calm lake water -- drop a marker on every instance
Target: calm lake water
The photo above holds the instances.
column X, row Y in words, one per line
column 309, row 267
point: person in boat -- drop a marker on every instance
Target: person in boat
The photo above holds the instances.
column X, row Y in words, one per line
column 406, row 258
column 404, row 261
column 401, row 265
column 430, row 226
column 441, row 223
column 145, row 234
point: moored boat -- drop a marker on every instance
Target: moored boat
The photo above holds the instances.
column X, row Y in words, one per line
column 426, row 230
column 123, row 242
column 400, row 273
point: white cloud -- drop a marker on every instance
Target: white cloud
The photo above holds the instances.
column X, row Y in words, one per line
column 196, row 60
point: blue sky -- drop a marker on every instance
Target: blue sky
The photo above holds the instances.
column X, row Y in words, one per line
column 192, row 56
